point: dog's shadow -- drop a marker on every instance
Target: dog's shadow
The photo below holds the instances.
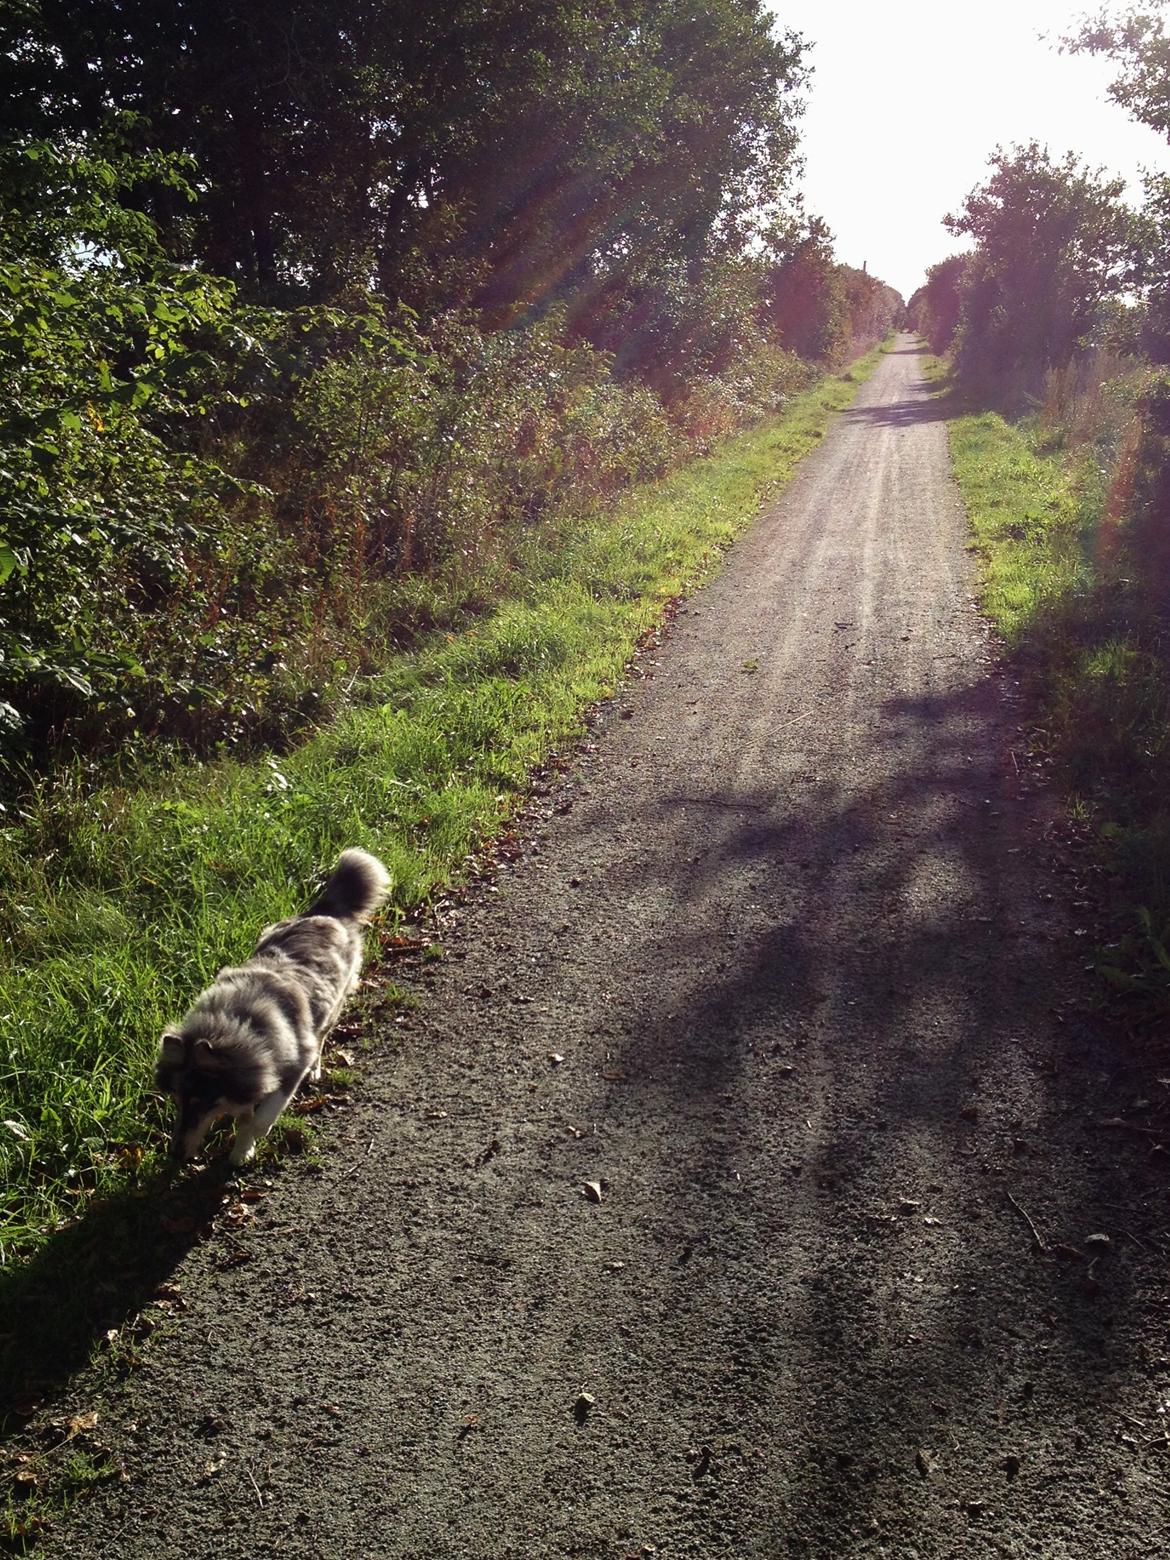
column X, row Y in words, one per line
column 88, row 1284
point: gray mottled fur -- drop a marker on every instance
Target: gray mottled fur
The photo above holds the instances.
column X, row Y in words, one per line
column 251, row 1038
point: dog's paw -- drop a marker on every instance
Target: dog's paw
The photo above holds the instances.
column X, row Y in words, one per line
column 241, row 1153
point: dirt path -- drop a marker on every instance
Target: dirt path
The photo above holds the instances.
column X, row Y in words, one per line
column 780, row 970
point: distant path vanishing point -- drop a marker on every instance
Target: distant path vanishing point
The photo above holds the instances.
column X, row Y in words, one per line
column 788, row 968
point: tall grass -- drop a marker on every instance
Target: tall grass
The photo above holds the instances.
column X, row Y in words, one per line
column 125, row 899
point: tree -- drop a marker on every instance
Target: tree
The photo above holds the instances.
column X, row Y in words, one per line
column 1138, row 43
column 510, row 154
column 1053, row 246
column 872, row 309
column 934, row 309
column 804, row 302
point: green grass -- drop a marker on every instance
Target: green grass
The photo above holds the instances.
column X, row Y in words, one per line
column 1029, row 519
column 65, row 1464
column 1061, row 585
column 122, row 902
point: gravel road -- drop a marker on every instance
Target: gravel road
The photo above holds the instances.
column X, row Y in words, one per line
column 788, row 968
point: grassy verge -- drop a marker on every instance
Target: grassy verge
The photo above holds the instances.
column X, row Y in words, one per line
column 126, row 900
column 1033, row 526
column 1063, row 589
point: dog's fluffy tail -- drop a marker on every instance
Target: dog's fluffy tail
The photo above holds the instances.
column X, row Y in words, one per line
column 355, row 888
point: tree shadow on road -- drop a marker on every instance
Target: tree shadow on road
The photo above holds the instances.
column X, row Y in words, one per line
column 909, row 993
column 938, row 407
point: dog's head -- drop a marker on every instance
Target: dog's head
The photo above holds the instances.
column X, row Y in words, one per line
column 198, row 1075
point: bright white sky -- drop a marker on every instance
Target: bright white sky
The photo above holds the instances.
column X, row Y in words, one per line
column 908, row 100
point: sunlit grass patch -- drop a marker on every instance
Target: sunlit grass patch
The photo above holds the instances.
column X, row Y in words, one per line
column 1027, row 519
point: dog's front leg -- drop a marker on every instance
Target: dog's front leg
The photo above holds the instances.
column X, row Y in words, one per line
column 244, row 1145
column 251, row 1128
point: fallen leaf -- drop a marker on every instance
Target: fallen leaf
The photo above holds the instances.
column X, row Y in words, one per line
column 591, row 1190
column 309, row 1105
column 27, row 1526
column 924, row 1462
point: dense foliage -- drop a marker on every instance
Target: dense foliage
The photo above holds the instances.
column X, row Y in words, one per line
column 1139, row 44
column 310, row 316
column 1053, row 249
column 492, row 156
column 934, row 309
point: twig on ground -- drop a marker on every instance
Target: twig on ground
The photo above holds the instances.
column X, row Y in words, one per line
column 353, row 1169
column 256, row 1487
column 1027, row 1218
column 1143, row 1245
column 1129, row 1126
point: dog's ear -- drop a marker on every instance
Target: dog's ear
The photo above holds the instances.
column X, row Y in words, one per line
column 170, row 1047
column 204, row 1048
